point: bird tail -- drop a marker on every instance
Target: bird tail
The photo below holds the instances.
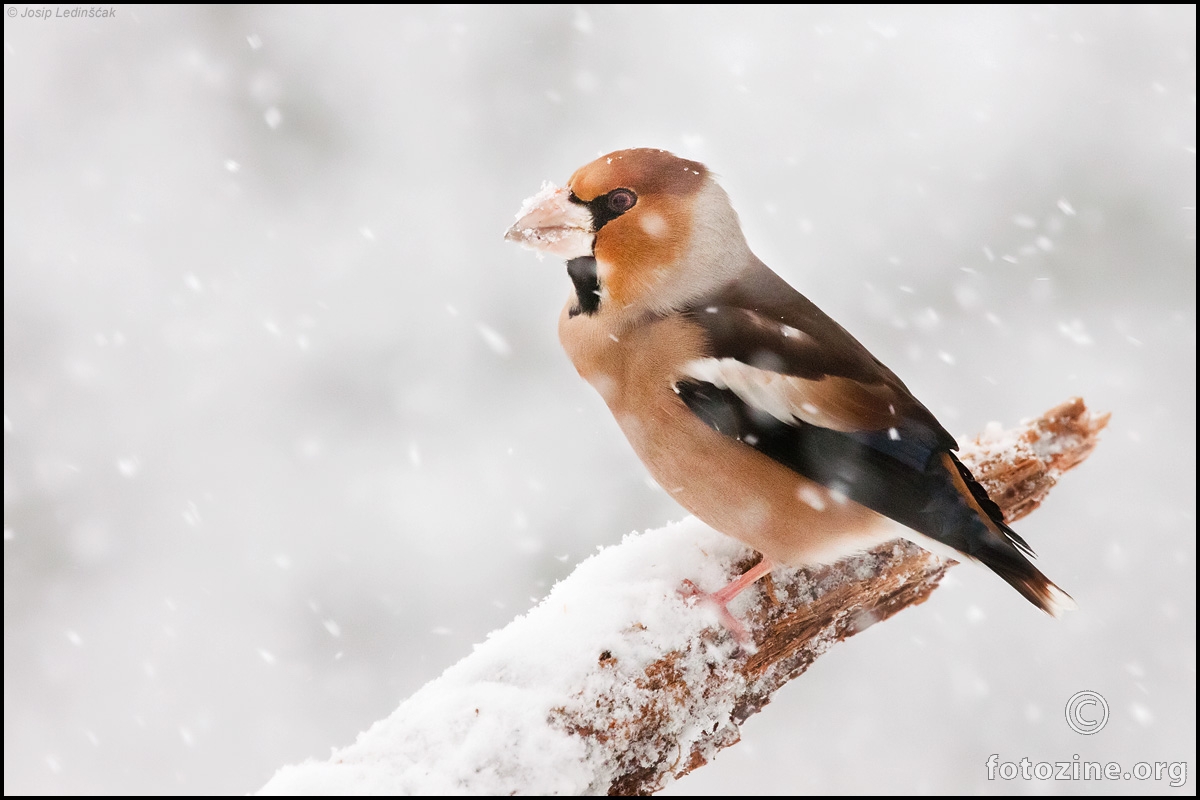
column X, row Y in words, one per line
column 998, row 547
column 1011, row 565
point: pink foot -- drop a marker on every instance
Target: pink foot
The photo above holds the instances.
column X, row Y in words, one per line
column 729, row 622
column 723, row 597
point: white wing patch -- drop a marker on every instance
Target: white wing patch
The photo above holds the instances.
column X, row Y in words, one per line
column 785, row 397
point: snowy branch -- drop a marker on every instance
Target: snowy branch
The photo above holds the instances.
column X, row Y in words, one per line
column 614, row 684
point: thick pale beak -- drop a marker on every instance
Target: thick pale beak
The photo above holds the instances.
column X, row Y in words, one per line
column 550, row 223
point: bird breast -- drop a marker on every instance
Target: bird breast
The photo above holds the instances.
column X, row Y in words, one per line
column 727, row 484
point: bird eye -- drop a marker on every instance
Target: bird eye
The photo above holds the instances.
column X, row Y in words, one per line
column 621, row 200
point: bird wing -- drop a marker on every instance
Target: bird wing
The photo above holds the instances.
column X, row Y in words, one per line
column 782, row 377
column 779, row 353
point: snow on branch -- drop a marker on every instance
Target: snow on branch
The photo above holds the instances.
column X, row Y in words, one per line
column 614, row 684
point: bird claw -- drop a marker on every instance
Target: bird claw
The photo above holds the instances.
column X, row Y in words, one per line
column 689, row 590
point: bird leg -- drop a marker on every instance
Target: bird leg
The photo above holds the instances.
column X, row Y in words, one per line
column 723, row 597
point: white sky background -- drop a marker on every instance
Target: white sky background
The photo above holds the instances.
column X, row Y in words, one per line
column 287, row 426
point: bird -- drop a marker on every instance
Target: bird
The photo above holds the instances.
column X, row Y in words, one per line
column 755, row 410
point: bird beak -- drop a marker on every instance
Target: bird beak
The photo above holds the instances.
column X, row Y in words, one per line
column 550, row 223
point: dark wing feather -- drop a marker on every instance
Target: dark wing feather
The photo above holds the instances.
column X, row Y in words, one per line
column 929, row 501
column 857, row 466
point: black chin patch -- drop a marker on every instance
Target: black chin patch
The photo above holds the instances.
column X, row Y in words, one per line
column 583, row 274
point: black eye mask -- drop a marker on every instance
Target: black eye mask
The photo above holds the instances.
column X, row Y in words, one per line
column 608, row 207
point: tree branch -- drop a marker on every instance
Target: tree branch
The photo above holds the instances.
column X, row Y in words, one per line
column 614, row 684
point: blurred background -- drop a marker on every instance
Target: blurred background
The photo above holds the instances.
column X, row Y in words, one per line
column 287, row 427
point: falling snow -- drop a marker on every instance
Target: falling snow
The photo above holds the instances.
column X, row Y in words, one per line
column 498, row 344
column 265, row 353
column 1075, row 331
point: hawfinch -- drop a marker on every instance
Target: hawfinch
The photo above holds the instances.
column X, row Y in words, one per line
column 757, row 412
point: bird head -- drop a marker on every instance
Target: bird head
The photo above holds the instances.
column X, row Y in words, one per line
column 645, row 229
